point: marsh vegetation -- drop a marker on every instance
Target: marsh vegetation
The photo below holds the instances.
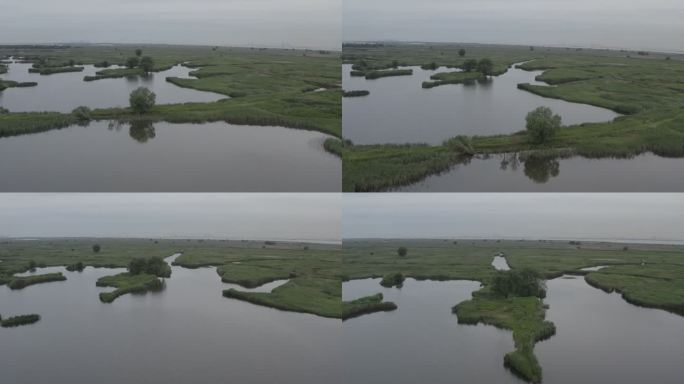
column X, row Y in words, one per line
column 584, row 79
column 516, row 299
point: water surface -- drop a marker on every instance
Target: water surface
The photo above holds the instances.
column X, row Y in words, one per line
column 421, row 341
column 187, row 333
column 398, row 110
column 62, row 92
column 600, row 338
column 212, row 157
column 506, row 173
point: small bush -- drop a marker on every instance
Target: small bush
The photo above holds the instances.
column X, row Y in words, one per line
column 82, row 113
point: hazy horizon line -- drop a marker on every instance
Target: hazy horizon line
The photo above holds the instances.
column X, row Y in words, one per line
column 281, row 240
column 82, row 43
column 560, row 46
column 530, row 239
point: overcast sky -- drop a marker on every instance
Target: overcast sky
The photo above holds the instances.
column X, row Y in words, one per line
column 275, row 23
column 275, row 216
column 515, row 215
column 632, row 24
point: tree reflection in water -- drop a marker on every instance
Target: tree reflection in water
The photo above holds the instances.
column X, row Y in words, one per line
column 141, row 131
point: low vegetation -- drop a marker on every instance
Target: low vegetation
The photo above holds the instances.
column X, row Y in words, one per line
column 52, row 70
column 264, row 86
column 4, row 84
column 128, row 283
column 387, row 73
column 25, row 281
column 318, row 296
column 357, row 93
column 648, row 285
column 523, row 315
column 646, row 275
column 16, row 321
column 645, row 89
column 393, row 280
column 333, row 146
column 366, row 305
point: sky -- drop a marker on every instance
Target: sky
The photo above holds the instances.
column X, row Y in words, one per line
column 655, row 25
column 270, row 216
column 622, row 216
column 274, row 23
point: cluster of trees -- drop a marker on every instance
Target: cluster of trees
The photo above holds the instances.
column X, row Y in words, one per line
column 151, row 266
column 484, row 66
column 524, row 282
column 143, row 62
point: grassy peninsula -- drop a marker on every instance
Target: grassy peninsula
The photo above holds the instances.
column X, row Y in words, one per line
column 647, row 275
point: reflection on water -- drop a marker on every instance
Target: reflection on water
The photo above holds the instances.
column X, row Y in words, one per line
column 601, row 338
column 421, row 342
column 187, row 333
column 643, row 173
column 399, row 110
column 141, row 156
column 141, row 131
column 62, row 92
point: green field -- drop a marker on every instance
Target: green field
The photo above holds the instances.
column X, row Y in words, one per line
column 262, row 86
column 127, row 283
column 647, row 275
column 647, row 89
column 366, row 305
column 313, row 270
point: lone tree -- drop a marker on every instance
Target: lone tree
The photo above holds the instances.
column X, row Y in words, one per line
column 138, row 52
column 461, row 52
column 96, row 248
column 142, row 100
column 542, row 124
column 469, row 65
column 147, row 64
column 132, row 62
column 486, row 67
column 402, row 251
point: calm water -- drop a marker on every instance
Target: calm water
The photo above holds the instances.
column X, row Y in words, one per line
column 187, row 333
column 208, row 157
column 399, row 110
column 421, row 342
column 601, row 338
column 63, row 92
column 576, row 174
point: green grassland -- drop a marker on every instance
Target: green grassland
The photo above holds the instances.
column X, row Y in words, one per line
column 262, row 86
column 25, row 281
column 19, row 320
column 127, row 283
column 366, row 305
column 313, row 269
column 647, row 275
column 647, row 89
